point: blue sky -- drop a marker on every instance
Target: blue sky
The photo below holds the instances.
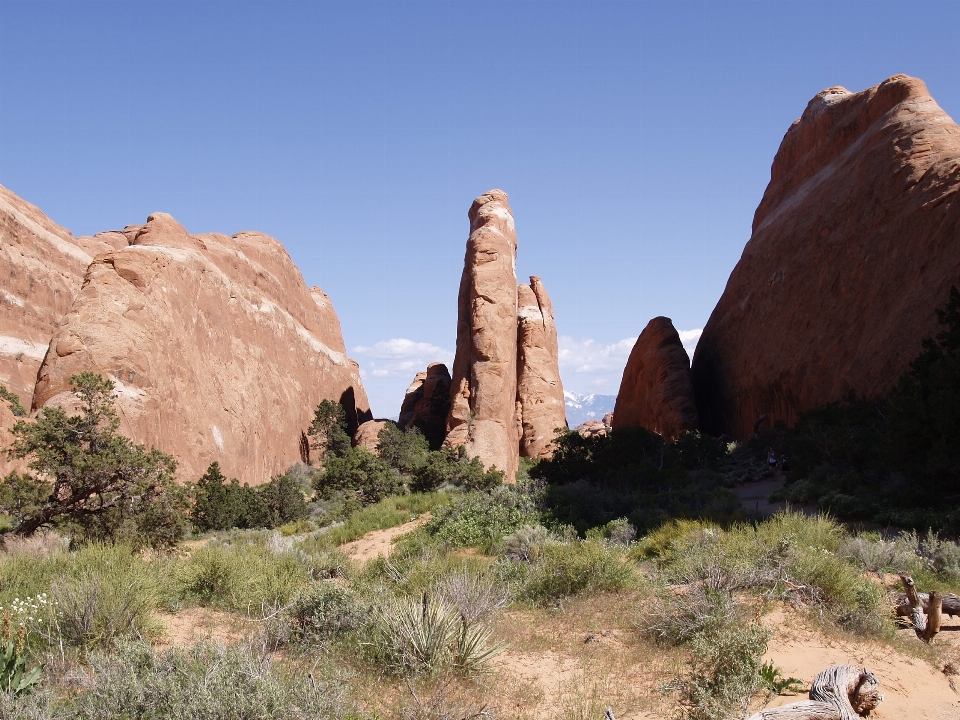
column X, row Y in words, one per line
column 635, row 140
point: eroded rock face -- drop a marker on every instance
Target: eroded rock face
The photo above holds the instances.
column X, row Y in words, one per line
column 484, row 383
column 656, row 392
column 427, row 404
column 539, row 390
column 368, row 435
column 218, row 349
column 854, row 245
column 592, row 428
column 41, row 268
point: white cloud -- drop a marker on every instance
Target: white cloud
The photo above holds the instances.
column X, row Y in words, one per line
column 399, row 357
column 690, row 338
column 587, row 366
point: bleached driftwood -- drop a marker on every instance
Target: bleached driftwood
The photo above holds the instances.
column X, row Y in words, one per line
column 925, row 619
column 950, row 606
column 841, row 692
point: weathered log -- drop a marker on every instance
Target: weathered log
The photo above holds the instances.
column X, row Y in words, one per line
column 951, row 604
column 926, row 620
column 841, row 692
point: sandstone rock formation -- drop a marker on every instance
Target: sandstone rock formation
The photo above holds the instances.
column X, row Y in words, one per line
column 592, row 428
column 539, row 390
column 368, row 434
column 218, row 349
column 41, row 269
column 854, row 245
column 656, row 392
column 427, row 404
column 484, row 383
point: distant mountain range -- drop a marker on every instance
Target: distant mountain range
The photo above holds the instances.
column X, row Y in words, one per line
column 581, row 408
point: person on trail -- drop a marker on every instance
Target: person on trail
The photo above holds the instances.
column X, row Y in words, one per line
column 772, row 461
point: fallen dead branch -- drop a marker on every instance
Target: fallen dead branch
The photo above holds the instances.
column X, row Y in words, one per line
column 841, row 692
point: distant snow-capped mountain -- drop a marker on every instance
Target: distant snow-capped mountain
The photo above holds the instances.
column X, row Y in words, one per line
column 581, row 408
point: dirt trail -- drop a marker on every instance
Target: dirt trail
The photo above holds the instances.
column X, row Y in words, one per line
column 379, row 543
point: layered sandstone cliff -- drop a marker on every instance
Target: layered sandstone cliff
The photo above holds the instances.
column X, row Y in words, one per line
column 218, row 349
column 41, row 268
column 656, row 392
column 484, row 380
column 540, row 401
column 854, row 245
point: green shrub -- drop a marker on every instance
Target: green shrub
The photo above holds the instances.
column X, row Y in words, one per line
column 482, row 518
column 323, row 611
column 328, row 431
column 451, row 466
column 359, row 473
column 13, row 400
column 207, row 682
column 526, row 543
column 587, row 566
column 725, row 643
column 220, row 504
column 243, row 578
column 724, row 672
column 98, row 594
column 91, row 479
column 792, row 557
column 403, row 450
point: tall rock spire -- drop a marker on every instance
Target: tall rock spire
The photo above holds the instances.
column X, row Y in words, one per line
column 484, row 380
column 540, row 400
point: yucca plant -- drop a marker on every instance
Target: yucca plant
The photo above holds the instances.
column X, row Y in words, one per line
column 424, row 637
column 13, row 661
column 474, row 648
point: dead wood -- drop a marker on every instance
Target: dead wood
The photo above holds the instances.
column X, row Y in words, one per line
column 841, row 692
column 926, row 620
column 950, row 606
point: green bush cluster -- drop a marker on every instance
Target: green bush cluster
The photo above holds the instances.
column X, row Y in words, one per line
column 220, row 504
column 890, row 460
column 88, row 479
column 206, row 682
column 482, row 519
column 577, row 567
column 635, row 474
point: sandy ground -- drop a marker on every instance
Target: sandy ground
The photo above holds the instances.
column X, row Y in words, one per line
column 379, row 543
column 912, row 688
column 191, row 625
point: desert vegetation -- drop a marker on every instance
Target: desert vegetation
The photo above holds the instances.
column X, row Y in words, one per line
column 436, row 628
column 624, row 563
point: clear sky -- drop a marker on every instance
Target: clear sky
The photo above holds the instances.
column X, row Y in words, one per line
column 635, row 140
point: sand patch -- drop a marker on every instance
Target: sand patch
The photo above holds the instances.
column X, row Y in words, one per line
column 191, row 625
column 912, row 688
column 379, row 543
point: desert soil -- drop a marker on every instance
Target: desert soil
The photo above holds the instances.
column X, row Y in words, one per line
column 379, row 543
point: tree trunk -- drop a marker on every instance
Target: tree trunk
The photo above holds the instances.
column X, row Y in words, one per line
column 950, row 606
column 925, row 627
column 841, row 692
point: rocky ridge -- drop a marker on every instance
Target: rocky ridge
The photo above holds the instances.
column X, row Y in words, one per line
column 187, row 327
column 854, row 245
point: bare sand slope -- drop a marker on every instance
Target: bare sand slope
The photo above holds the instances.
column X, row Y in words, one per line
column 379, row 543
column 912, row 687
